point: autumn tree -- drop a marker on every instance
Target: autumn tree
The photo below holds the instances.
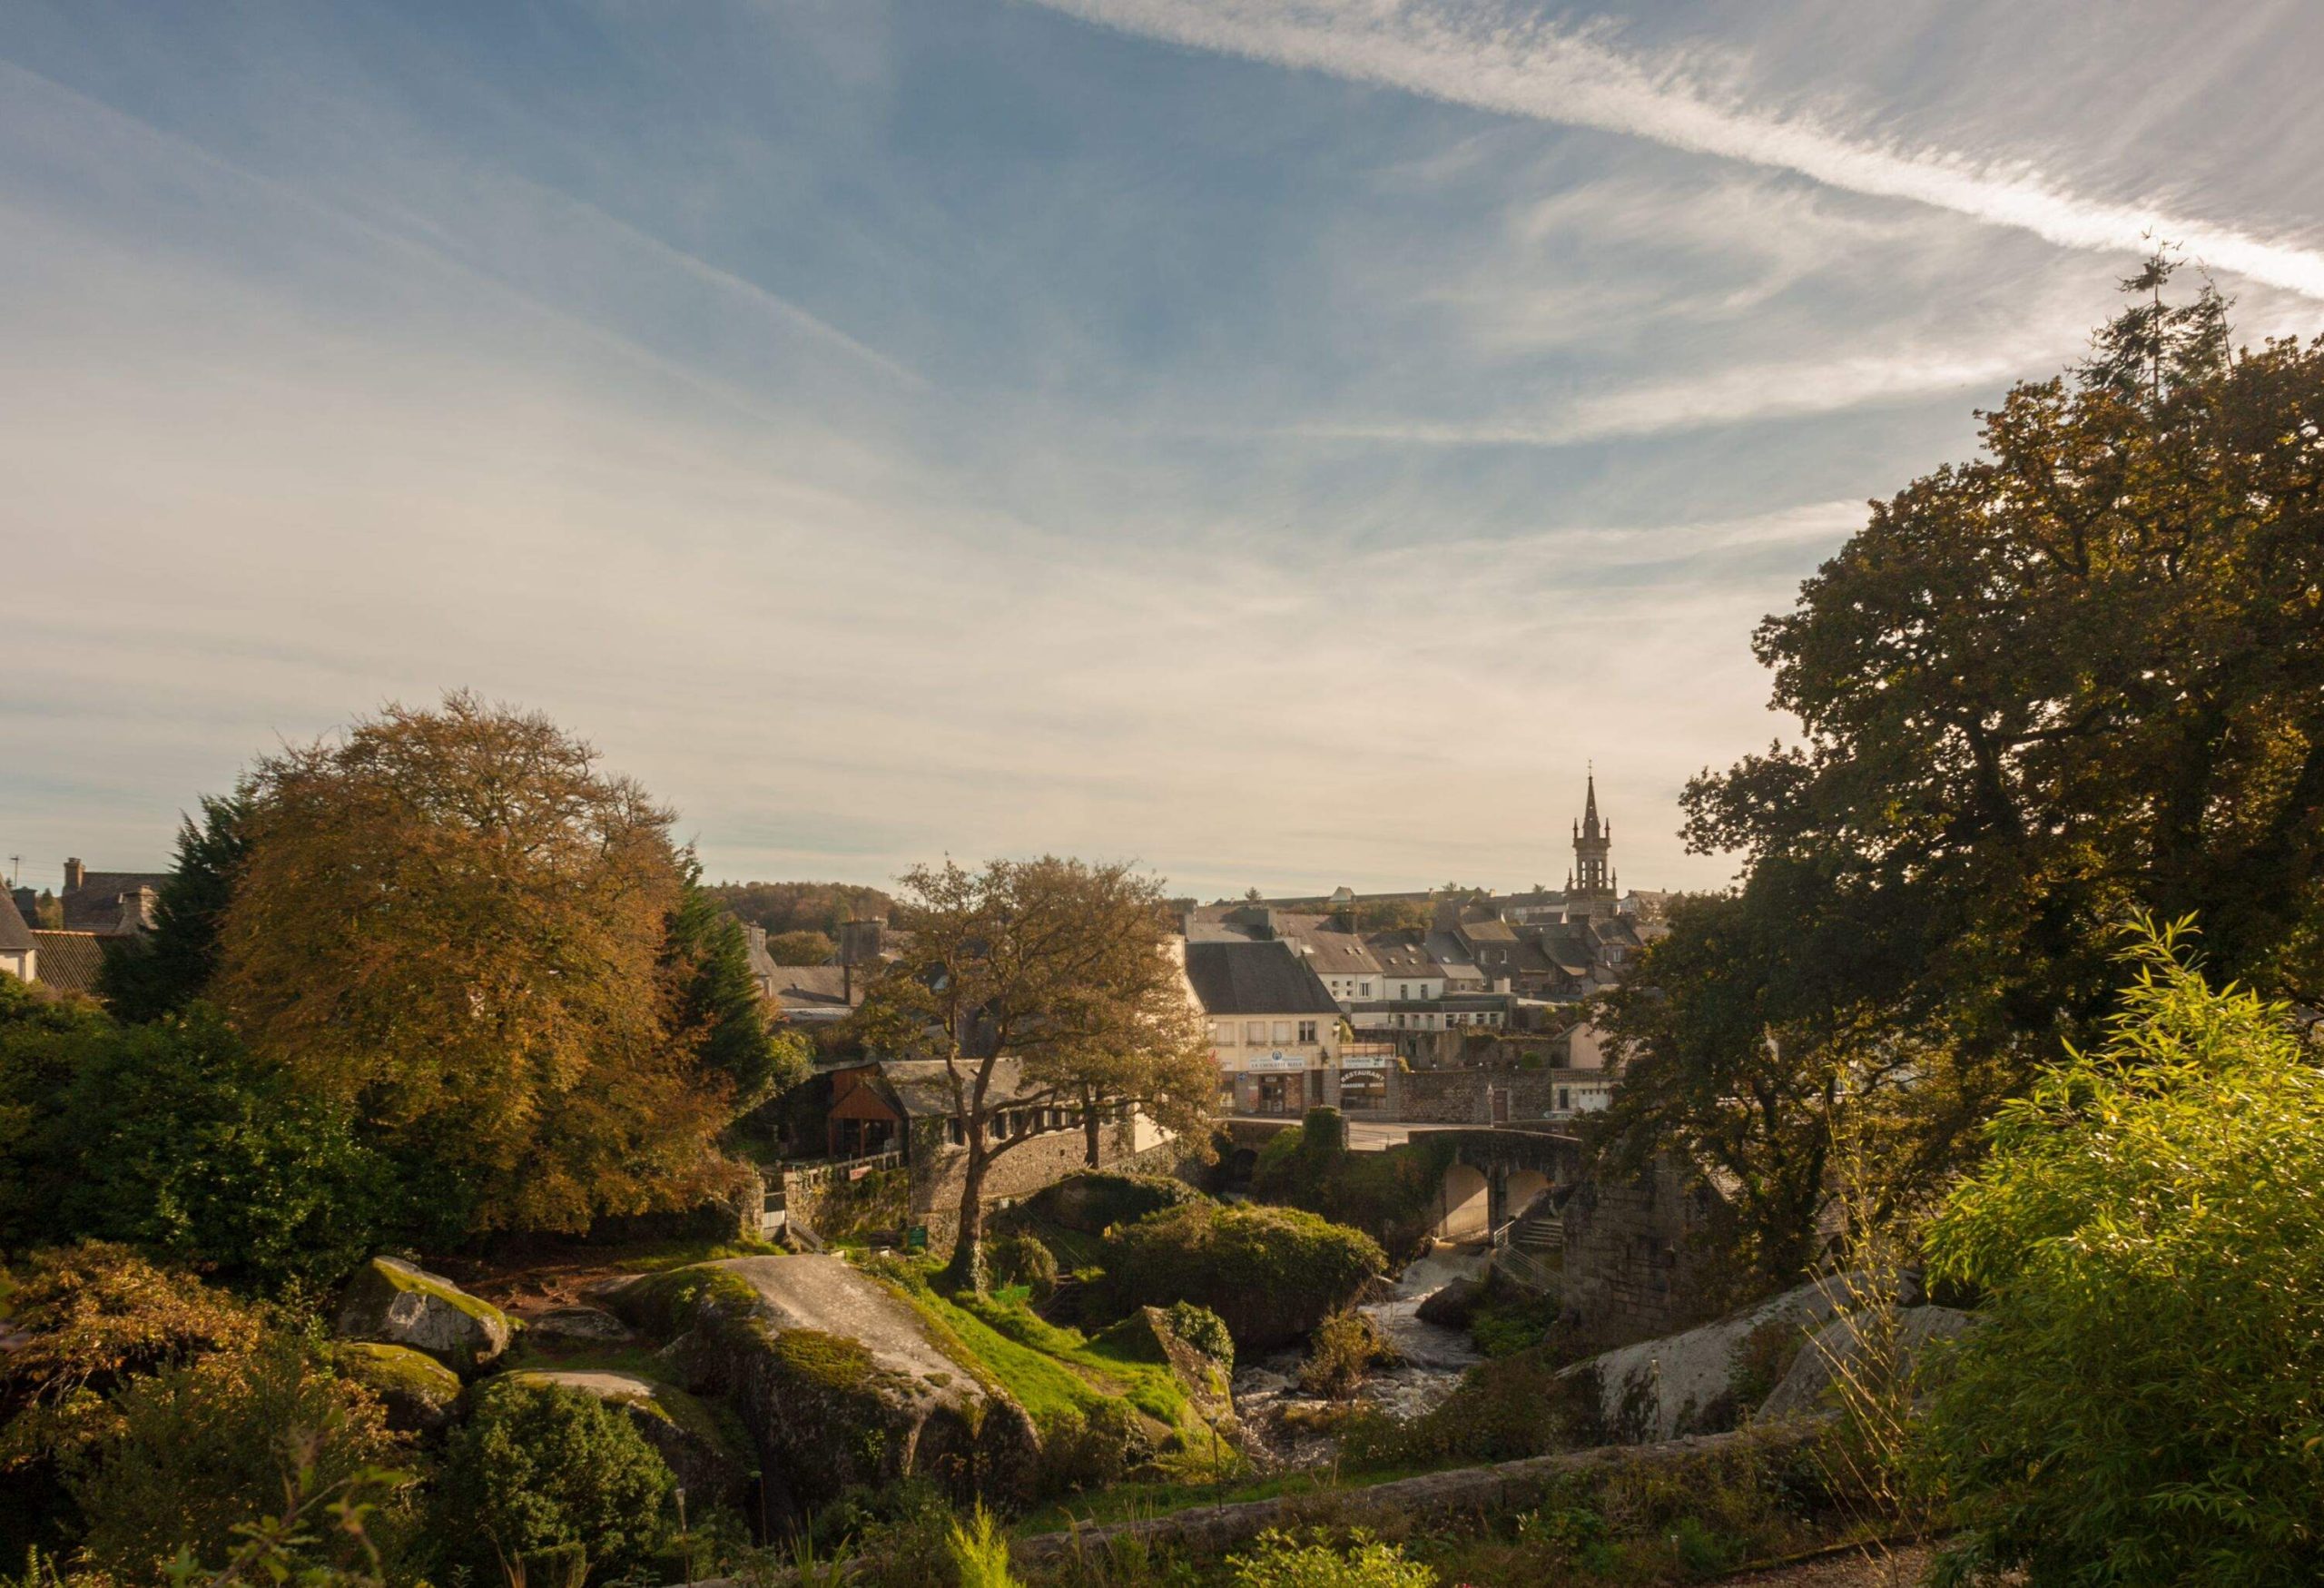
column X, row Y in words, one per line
column 1063, row 967
column 454, row 924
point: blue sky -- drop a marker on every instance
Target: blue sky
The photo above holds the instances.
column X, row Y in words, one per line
column 1282, row 441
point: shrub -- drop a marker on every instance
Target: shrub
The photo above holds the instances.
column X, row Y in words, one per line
column 1093, row 1200
column 1203, row 1330
column 1390, row 1196
column 194, row 1450
column 192, row 1148
column 1094, row 1447
column 1281, row 1559
column 542, row 1472
column 1022, row 1260
column 94, row 1314
column 2140, row 1403
column 1347, row 1346
column 1271, row 1274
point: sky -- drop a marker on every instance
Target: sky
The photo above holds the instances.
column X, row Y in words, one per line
column 1282, row 442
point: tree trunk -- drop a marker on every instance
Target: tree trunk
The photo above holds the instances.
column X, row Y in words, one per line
column 966, row 1270
column 1091, row 1128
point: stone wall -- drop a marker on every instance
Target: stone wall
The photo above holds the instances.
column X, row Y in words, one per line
column 939, row 1168
column 1641, row 1257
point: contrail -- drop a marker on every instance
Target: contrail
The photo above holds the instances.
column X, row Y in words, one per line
column 1552, row 74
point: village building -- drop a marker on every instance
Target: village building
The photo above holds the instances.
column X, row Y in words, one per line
column 1274, row 1026
column 109, row 904
column 19, row 950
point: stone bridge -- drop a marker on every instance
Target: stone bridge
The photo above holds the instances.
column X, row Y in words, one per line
column 1490, row 1172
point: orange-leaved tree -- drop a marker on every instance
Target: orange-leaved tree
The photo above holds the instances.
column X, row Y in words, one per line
column 453, row 923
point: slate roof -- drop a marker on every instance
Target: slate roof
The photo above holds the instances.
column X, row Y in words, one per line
column 815, row 985
column 1256, row 978
column 95, row 904
column 921, row 1088
column 1402, row 953
column 1336, row 953
column 14, row 935
column 68, row 960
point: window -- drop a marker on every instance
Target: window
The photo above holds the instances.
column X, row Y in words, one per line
column 1404, row 990
column 1223, row 1032
column 1306, row 1031
column 1565, row 1100
column 1282, row 1032
column 1254, row 1032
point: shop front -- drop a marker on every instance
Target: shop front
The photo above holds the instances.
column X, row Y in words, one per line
column 1277, row 1083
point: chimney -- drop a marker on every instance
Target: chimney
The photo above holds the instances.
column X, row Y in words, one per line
column 75, row 876
column 757, row 935
column 137, row 911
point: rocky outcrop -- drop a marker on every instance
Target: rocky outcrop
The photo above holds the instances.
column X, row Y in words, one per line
column 592, row 1324
column 418, row 1393
column 706, row 1461
column 1860, row 1347
column 393, row 1303
column 837, row 1380
column 1451, row 1303
column 1146, row 1335
column 1707, row 1379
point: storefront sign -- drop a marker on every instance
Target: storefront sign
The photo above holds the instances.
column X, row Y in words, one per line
column 1275, row 1064
column 1365, row 1060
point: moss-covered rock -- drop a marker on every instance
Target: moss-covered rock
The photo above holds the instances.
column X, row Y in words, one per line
column 1273, row 1274
column 1148, row 1335
column 419, row 1392
column 708, row 1462
column 836, row 1378
column 393, row 1303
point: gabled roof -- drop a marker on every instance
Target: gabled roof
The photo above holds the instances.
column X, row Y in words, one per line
column 816, row 986
column 922, row 1088
column 15, row 937
column 69, row 961
column 1256, row 978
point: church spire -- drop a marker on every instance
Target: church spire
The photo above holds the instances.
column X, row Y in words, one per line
column 1592, row 838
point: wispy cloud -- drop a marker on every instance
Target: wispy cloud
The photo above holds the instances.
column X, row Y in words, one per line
column 1483, row 57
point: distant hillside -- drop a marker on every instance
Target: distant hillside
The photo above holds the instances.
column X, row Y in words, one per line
column 783, row 907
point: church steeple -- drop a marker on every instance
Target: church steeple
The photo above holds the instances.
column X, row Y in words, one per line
column 1592, row 838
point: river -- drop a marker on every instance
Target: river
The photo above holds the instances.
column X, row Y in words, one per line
column 1433, row 1359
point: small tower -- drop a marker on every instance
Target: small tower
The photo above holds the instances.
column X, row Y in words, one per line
column 1591, row 881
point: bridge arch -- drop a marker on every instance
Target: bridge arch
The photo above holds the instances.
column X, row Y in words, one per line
column 1464, row 1203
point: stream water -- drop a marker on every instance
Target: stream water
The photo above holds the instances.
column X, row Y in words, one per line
column 1433, row 1359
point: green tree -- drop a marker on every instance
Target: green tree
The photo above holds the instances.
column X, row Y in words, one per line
column 2081, row 675
column 707, row 962
column 453, row 925
column 2139, row 1404
column 543, row 1472
column 1764, row 1030
column 44, row 1043
column 171, row 965
column 188, row 1146
column 800, row 948
column 1063, row 968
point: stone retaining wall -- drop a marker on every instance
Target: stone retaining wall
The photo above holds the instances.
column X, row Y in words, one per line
column 1513, row 1485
